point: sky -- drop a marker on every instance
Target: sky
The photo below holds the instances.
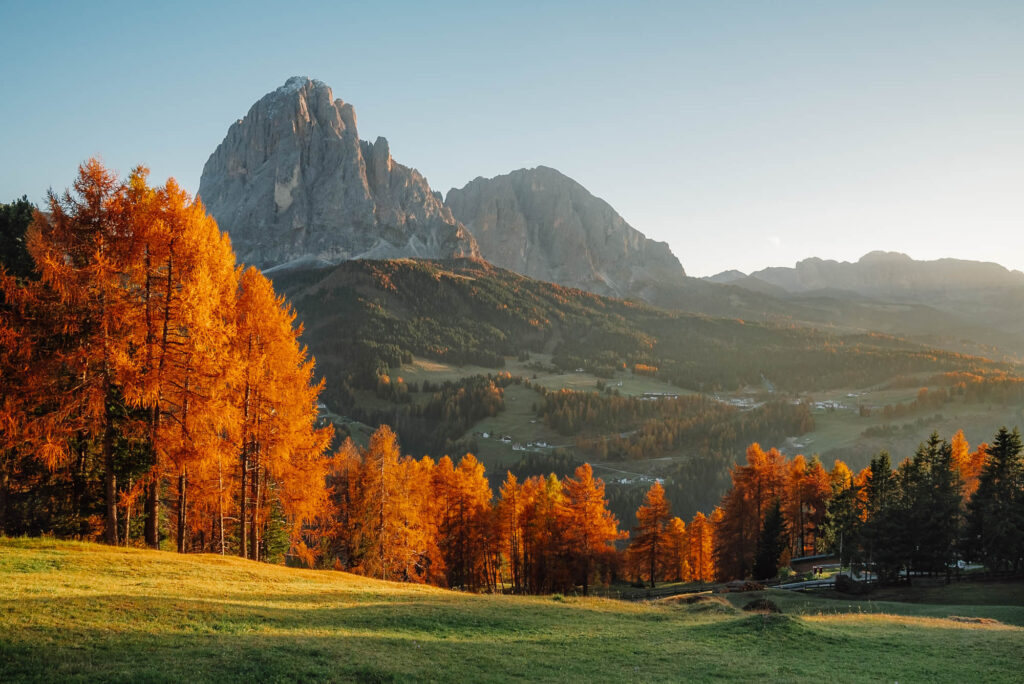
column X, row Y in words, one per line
column 743, row 134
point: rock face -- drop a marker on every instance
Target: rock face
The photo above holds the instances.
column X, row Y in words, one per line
column 889, row 275
column 542, row 224
column 293, row 182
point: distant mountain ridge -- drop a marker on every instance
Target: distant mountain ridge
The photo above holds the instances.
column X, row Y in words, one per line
column 292, row 182
column 980, row 302
column 886, row 274
column 543, row 224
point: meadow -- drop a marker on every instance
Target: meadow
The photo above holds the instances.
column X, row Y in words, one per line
column 74, row 611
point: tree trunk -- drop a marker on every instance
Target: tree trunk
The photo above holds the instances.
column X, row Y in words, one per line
column 381, row 541
column 109, row 479
column 654, row 558
column 4, row 480
column 79, row 486
column 128, row 518
column 152, row 513
column 244, row 547
column 220, row 503
column 150, row 509
column 254, row 521
column 182, row 502
column 246, row 445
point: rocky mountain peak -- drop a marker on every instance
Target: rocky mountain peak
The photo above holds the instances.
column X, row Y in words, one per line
column 293, row 181
column 543, row 224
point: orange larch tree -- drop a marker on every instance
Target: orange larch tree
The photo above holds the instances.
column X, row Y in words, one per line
column 590, row 528
column 968, row 464
column 754, row 487
column 82, row 248
column 700, row 548
column 465, row 522
column 28, row 456
column 194, row 361
column 541, row 533
column 509, row 529
column 389, row 527
column 274, row 401
column 677, row 555
column 339, row 519
column 807, row 492
column 840, row 477
column 649, row 547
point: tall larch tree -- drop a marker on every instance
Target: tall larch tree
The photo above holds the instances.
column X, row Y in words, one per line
column 389, row 527
column 754, row 487
column 700, row 548
column 677, row 558
column 194, row 364
column 649, row 547
column 968, row 463
column 509, row 529
column 465, row 523
column 23, row 380
column 590, row 528
column 82, row 248
column 541, row 533
column 274, row 398
column 808, row 490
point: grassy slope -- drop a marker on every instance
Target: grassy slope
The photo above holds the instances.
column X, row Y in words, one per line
column 79, row 611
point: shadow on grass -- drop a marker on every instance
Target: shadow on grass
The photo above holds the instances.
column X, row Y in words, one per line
column 133, row 638
column 838, row 604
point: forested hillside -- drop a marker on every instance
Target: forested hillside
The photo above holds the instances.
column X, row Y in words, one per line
column 363, row 316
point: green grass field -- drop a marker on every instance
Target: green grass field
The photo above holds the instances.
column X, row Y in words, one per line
column 519, row 420
column 435, row 371
column 838, row 433
column 75, row 611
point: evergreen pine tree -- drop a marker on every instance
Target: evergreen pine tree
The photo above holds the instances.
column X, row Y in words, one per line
column 14, row 222
column 995, row 516
column 881, row 534
column 771, row 543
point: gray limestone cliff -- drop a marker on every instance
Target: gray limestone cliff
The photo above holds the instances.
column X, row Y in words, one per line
column 542, row 224
column 292, row 182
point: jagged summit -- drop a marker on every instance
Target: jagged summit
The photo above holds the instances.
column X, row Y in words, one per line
column 543, row 224
column 294, row 185
column 296, row 83
column 292, row 182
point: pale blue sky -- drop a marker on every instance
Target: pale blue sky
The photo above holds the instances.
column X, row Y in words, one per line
column 745, row 134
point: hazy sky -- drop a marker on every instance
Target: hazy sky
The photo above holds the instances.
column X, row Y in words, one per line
column 745, row 134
